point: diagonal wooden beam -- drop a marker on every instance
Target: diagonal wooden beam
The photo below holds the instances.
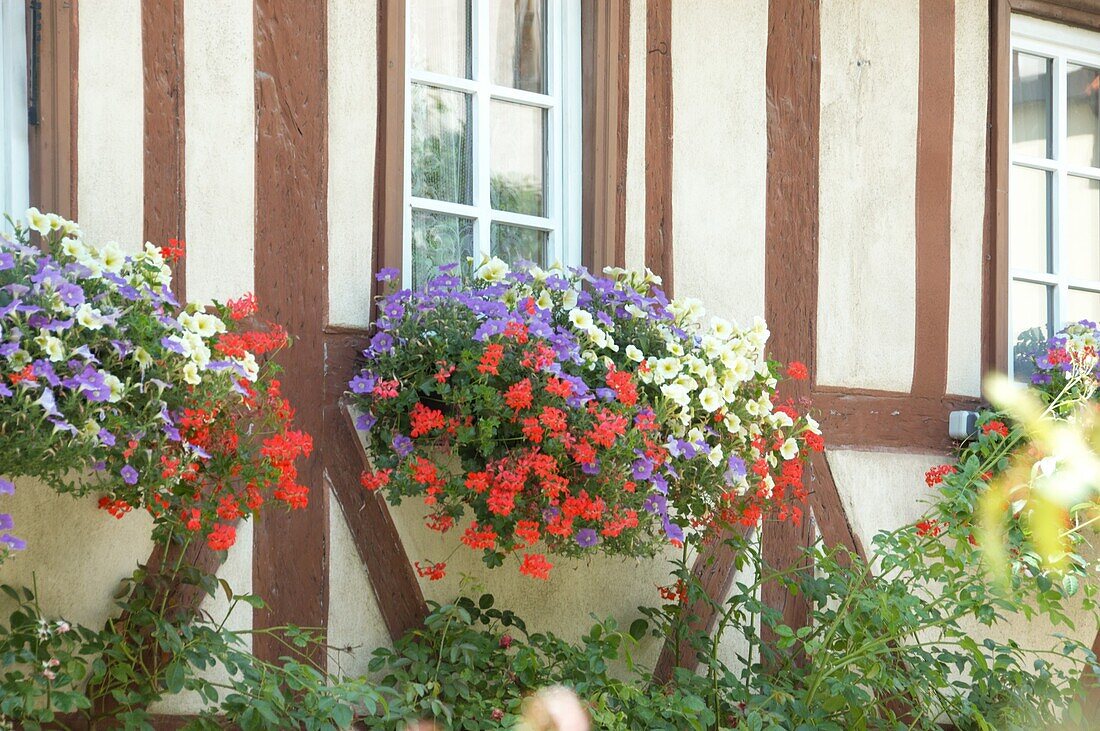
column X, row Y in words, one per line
column 377, row 541
column 713, row 568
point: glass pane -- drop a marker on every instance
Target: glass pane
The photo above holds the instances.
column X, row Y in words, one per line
column 441, row 155
column 1081, row 228
column 439, row 36
column 439, row 239
column 517, row 149
column 518, row 32
column 1031, row 107
column 517, row 243
column 1082, row 305
column 1031, row 311
column 1029, row 219
column 1083, row 116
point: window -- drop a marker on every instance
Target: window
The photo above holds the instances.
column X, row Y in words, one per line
column 1054, row 182
column 14, row 143
column 492, row 133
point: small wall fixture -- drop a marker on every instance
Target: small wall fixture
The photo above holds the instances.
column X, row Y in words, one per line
column 962, row 425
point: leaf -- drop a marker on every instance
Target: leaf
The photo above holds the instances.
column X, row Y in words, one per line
column 1070, row 584
column 638, row 628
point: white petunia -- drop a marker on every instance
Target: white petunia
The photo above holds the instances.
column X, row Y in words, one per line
column 666, row 368
column 581, row 319
column 191, row 374
column 721, row 327
column 716, row 455
column 544, row 302
column 676, row 394
column 141, row 355
column 38, row 221
column 112, row 382
column 492, row 270
column 206, row 326
column 89, row 317
column 634, row 354
column 51, row 346
column 112, row 257
column 789, row 450
column 74, row 248
column 569, row 299
column 710, row 399
column 251, row 367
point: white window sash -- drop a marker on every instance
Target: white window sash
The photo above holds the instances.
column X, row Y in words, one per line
column 562, row 179
column 1064, row 45
column 14, row 132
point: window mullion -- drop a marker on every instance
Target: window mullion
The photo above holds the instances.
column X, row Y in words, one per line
column 1059, row 179
column 481, row 137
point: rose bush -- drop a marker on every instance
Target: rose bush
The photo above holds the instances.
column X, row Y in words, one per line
column 106, row 386
column 589, row 413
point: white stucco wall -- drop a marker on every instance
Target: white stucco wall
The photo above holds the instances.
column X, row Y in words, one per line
column 719, row 153
column 866, row 309
column 355, row 622
column 968, row 197
column 220, row 157
column 110, row 123
column 635, row 148
column 75, row 552
column 352, row 119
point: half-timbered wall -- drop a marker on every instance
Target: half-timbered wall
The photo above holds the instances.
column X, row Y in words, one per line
column 193, row 117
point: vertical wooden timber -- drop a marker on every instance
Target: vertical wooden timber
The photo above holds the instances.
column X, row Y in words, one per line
column 935, row 128
column 605, row 96
column 53, row 162
column 793, row 76
column 164, row 194
column 658, row 141
column 290, row 562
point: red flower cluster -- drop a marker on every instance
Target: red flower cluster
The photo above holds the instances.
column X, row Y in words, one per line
column 174, row 251
column 433, row 571
column 935, row 475
column 995, row 427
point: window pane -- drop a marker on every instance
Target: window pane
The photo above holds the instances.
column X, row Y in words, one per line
column 518, row 32
column 1083, row 116
column 441, row 154
column 1031, row 107
column 517, row 243
column 1081, row 228
column 1029, row 219
column 439, row 36
column 439, row 239
column 517, row 149
column 1082, row 305
column 1030, row 314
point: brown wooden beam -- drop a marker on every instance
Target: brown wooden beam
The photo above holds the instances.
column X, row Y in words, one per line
column 52, row 136
column 658, row 141
column 793, row 88
column 858, row 419
column 377, row 541
column 935, row 127
column 290, row 559
column 1082, row 13
column 164, row 194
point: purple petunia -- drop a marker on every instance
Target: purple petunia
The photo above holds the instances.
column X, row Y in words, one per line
column 387, row 274
column 362, row 383
column 129, row 475
column 402, row 445
column 366, row 421
column 587, row 537
column 15, row 544
column 7, row 487
column 735, row 468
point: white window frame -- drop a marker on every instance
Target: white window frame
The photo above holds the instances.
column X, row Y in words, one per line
column 1064, row 45
column 14, row 132
column 562, row 145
